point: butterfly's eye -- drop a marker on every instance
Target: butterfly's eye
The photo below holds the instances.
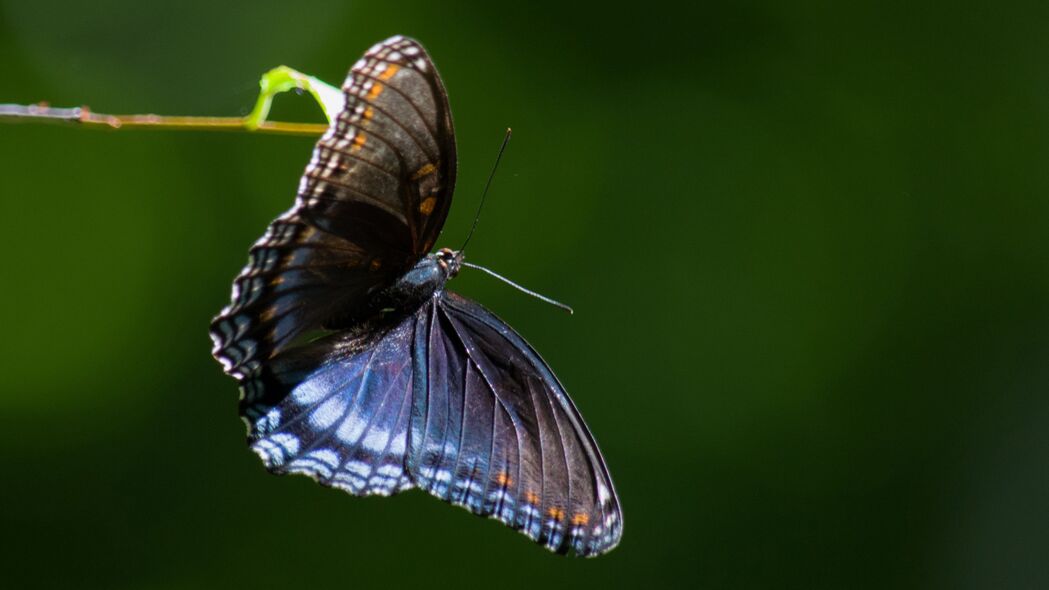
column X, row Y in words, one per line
column 445, row 255
column 449, row 261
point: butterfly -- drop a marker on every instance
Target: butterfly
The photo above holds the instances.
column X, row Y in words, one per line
column 408, row 385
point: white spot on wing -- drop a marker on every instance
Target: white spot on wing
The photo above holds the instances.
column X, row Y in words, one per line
column 376, row 440
column 328, row 412
column 309, row 392
column 358, row 468
column 397, row 447
column 350, row 430
column 276, row 449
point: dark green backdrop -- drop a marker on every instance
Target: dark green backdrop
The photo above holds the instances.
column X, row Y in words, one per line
column 806, row 246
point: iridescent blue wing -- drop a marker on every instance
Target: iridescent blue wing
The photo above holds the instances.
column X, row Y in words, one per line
column 494, row 431
column 338, row 410
column 370, row 204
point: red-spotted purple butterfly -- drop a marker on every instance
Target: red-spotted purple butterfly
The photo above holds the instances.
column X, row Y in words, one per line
column 411, row 385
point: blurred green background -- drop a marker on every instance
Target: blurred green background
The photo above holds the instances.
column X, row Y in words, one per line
column 806, row 245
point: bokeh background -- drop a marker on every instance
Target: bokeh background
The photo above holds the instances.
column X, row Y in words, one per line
column 806, row 244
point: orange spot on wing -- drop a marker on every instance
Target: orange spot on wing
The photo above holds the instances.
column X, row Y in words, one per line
column 375, row 91
column 369, row 113
column 503, row 479
column 426, row 207
column 389, row 72
column 424, row 171
column 358, row 140
column 375, row 265
column 580, row 519
column 268, row 314
column 531, row 498
column 556, row 513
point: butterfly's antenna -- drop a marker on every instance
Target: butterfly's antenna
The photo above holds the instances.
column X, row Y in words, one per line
column 520, row 288
column 502, row 148
column 484, row 193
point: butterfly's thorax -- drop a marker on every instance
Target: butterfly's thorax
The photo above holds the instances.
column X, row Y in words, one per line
column 415, row 287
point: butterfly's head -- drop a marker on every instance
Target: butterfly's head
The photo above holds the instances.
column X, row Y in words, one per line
column 450, row 261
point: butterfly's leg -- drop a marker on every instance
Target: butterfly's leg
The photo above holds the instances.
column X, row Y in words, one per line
column 282, row 79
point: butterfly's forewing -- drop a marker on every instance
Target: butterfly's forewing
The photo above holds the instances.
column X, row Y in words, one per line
column 390, row 156
column 338, row 410
column 494, row 431
column 370, row 204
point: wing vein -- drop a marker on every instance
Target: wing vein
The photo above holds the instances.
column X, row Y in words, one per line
column 415, row 107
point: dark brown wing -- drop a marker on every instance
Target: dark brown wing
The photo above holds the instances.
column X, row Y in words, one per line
column 371, row 203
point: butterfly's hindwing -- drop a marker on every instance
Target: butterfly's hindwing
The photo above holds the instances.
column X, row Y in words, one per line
column 498, row 435
column 338, row 411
